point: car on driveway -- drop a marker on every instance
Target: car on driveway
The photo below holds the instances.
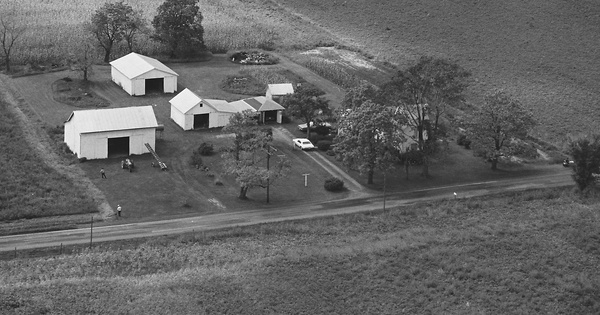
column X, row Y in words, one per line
column 303, row 144
column 302, row 127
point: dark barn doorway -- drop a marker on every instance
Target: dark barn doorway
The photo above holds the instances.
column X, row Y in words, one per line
column 118, row 147
column 201, row 121
column 155, row 85
column 270, row 116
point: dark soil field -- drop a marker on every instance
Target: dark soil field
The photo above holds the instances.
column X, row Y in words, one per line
column 545, row 52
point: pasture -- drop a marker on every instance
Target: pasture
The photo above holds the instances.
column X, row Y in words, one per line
column 534, row 252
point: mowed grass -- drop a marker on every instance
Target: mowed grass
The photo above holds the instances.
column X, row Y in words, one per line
column 534, row 252
column 29, row 188
column 543, row 52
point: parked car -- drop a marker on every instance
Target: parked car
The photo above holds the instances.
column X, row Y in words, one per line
column 302, row 127
column 303, row 144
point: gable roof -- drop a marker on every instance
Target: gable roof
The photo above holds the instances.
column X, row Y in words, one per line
column 261, row 104
column 185, row 100
column 133, row 65
column 281, row 89
column 110, row 119
column 220, row 105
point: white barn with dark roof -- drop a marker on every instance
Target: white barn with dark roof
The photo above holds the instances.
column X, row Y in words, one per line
column 138, row 74
column 104, row 133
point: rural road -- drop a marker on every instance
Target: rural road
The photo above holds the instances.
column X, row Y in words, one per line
column 301, row 211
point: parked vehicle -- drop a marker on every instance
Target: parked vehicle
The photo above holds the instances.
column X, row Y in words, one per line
column 302, row 127
column 303, row 144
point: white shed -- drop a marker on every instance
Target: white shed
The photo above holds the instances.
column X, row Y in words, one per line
column 138, row 74
column 190, row 111
column 104, row 133
column 276, row 91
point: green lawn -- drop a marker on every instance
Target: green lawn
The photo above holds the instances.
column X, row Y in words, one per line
column 534, row 252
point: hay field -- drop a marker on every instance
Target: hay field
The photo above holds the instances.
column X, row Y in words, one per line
column 545, row 52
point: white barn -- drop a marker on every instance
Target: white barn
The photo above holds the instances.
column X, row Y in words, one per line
column 104, row 133
column 190, row 111
column 138, row 74
column 276, row 91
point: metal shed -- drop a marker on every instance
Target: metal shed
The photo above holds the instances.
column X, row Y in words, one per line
column 104, row 133
column 138, row 74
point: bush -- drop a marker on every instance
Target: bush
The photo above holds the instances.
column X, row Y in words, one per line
column 524, row 149
column 464, row 141
column 253, row 58
column 324, row 145
column 330, row 152
column 196, row 159
column 205, row 149
column 334, row 184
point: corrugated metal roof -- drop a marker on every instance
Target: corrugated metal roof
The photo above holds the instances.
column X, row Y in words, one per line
column 281, row 89
column 261, row 104
column 185, row 100
column 253, row 102
column 270, row 105
column 134, row 65
column 111, row 119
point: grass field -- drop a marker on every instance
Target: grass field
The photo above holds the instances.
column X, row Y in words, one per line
column 535, row 252
column 543, row 52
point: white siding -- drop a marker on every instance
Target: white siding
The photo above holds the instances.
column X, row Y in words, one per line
column 95, row 145
column 138, row 87
column 180, row 118
column 219, row 119
column 170, row 84
column 121, row 80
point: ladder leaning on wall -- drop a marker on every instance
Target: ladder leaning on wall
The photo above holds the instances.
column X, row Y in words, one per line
column 162, row 165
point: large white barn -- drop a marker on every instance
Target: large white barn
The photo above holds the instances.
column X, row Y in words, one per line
column 104, row 133
column 138, row 74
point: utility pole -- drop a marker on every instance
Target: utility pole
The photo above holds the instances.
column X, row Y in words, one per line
column 270, row 150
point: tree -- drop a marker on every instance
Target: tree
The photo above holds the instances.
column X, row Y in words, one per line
column 307, row 105
column 84, row 55
column 246, row 159
column 585, row 152
column 110, row 24
column 367, row 137
column 133, row 27
column 11, row 29
column 178, row 24
column 423, row 92
column 500, row 120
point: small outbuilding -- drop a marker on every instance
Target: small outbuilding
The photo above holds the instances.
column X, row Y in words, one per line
column 276, row 91
column 190, row 111
column 112, row 132
column 268, row 110
column 138, row 75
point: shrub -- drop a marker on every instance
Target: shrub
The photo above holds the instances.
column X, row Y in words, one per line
column 334, row 184
column 322, row 130
column 464, row 141
column 524, row 149
column 196, row 159
column 324, row 145
column 330, row 152
column 253, row 58
column 206, row 148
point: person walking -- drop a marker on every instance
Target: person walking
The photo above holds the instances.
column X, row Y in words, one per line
column 102, row 172
column 119, row 211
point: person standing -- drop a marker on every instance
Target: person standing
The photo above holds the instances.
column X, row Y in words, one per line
column 119, row 211
column 102, row 172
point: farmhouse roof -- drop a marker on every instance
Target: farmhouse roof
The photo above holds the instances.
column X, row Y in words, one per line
column 133, row 65
column 185, row 100
column 281, row 89
column 110, row 119
column 220, row 105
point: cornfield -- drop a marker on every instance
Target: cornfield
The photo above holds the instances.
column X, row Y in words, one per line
column 53, row 28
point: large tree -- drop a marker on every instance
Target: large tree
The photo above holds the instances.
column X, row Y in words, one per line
column 421, row 93
column 178, row 25
column 367, row 137
column 84, row 55
column 306, row 104
column 585, row 152
column 500, row 120
column 111, row 23
column 11, row 29
column 247, row 159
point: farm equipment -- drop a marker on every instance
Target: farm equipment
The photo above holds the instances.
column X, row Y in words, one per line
column 127, row 164
column 162, row 165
